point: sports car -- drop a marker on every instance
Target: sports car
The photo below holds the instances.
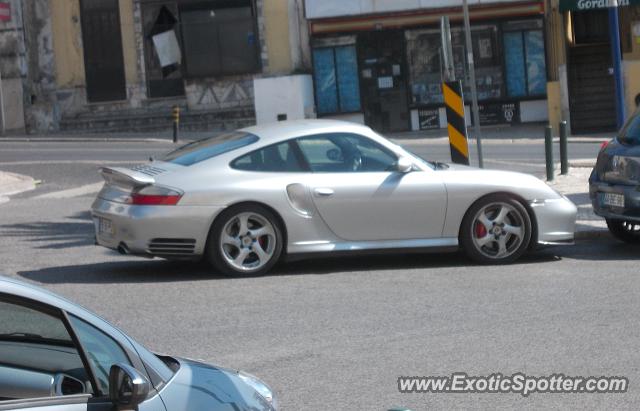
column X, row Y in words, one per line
column 246, row 199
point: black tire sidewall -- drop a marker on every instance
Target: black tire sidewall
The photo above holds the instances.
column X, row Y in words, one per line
column 214, row 254
column 619, row 232
column 466, row 230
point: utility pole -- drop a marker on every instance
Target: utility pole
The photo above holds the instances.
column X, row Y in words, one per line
column 472, row 80
column 616, row 56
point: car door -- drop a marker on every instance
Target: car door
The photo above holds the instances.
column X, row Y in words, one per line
column 44, row 366
column 362, row 197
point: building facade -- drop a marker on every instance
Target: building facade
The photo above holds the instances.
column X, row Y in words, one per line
column 581, row 84
column 85, row 64
column 379, row 62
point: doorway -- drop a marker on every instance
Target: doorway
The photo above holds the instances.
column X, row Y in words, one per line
column 591, row 82
column 383, row 80
column 102, row 45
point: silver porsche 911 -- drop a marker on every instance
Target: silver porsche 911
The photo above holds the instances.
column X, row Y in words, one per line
column 245, row 199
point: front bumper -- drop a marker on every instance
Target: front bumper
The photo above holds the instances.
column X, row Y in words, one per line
column 556, row 220
column 631, row 209
column 163, row 231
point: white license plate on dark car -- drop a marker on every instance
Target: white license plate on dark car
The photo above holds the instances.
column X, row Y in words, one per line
column 612, row 199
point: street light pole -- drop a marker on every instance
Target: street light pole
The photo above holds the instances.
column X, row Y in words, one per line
column 614, row 33
column 472, row 80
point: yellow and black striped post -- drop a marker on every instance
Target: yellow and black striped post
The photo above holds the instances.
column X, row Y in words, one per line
column 176, row 122
column 456, row 124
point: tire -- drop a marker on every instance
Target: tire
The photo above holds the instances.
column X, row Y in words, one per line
column 245, row 254
column 496, row 230
column 625, row 230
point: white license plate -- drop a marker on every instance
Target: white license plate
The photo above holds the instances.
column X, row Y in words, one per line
column 612, row 199
column 105, row 226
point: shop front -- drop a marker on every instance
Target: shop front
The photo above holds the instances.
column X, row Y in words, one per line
column 386, row 70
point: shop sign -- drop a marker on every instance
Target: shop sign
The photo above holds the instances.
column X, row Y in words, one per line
column 5, row 11
column 429, row 119
column 584, row 5
column 499, row 113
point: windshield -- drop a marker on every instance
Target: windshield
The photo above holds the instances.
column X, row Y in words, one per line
column 630, row 134
column 207, row 148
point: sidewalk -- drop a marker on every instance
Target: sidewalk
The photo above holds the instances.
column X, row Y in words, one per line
column 490, row 135
column 11, row 184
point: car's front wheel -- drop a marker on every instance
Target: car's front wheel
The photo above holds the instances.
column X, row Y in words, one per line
column 496, row 230
column 245, row 240
column 625, row 230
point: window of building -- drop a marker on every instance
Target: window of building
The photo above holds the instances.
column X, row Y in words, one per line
column 336, row 79
column 219, row 38
column 275, row 158
column 424, row 51
column 525, row 63
column 340, row 153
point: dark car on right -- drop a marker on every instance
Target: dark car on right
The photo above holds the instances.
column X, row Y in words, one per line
column 614, row 185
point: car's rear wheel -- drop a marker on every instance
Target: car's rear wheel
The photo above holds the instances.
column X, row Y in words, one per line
column 245, row 240
column 496, row 230
column 626, row 231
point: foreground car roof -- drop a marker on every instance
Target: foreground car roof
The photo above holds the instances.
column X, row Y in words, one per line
column 288, row 129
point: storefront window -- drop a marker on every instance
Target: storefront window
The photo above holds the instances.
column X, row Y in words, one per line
column 525, row 63
column 425, row 65
column 336, row 79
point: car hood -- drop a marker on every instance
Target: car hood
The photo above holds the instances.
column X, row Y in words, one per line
column 199, row 386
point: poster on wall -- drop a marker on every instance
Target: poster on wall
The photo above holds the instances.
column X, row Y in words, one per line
column 429, row 119
column 499, row 113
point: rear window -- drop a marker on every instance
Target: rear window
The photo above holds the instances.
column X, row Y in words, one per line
column 207, row 148
column 630, row 134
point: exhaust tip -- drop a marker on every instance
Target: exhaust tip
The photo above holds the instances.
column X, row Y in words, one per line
column 123, row 249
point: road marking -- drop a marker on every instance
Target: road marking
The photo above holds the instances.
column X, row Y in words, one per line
column 73, row 192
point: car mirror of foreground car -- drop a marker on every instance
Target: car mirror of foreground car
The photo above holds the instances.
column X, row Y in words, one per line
column 127, row 387
column 404, row 165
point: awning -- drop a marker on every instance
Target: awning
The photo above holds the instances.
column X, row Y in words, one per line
column 584, row 5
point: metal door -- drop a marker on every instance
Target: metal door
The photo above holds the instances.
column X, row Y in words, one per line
column 102, row 45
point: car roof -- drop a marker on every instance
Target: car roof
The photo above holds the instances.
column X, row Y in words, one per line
column 284, row 130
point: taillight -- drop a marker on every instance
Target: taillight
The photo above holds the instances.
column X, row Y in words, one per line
column 604, row 145
column 155, row 195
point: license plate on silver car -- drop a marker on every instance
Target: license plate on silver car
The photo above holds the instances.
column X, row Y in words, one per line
column 612, row 199
column 105, row 227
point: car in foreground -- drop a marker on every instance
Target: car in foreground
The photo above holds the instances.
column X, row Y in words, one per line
column 247, row 198
column 614, row 184
column 56, row 355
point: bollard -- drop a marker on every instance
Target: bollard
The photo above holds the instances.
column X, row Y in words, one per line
column 564, row 155
column 176, row 122
column 548, row 151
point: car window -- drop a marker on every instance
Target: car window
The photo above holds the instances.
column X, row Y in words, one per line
column 342, row 152
column 102, row 351
column 630, row 134
column 207, row 148
column 275, row 158
column 19, row 322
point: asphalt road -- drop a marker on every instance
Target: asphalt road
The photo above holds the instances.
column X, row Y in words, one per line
column 336, row 333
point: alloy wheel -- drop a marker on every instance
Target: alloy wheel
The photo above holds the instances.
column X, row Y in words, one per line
column 248, row 242
column 498, row 230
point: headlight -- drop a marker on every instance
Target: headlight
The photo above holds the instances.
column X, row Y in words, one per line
column 261, row 388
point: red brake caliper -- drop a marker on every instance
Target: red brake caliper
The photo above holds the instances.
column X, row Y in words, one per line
column 481, row 230
column 263, row 242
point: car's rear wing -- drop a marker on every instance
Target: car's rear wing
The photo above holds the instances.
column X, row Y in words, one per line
column 126, row 177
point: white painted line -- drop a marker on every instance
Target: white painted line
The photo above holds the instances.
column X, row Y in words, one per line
column 73, row 192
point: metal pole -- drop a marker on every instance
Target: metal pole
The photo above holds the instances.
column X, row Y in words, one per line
column 548, row 151
column 447, row 49
column 614, row 27
column 176, row 123
column 564, row 154
column 472, row 79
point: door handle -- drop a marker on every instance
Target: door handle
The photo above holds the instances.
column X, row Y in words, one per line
column 323, row 192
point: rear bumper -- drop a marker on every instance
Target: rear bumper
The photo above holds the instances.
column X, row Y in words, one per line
column 631, row 209
column 556, row 220
column 163, row 231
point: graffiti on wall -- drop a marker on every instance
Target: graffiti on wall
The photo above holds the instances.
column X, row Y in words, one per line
column 220, row 94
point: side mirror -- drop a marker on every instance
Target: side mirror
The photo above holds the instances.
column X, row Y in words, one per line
column 404, row 165
column 127, row 387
